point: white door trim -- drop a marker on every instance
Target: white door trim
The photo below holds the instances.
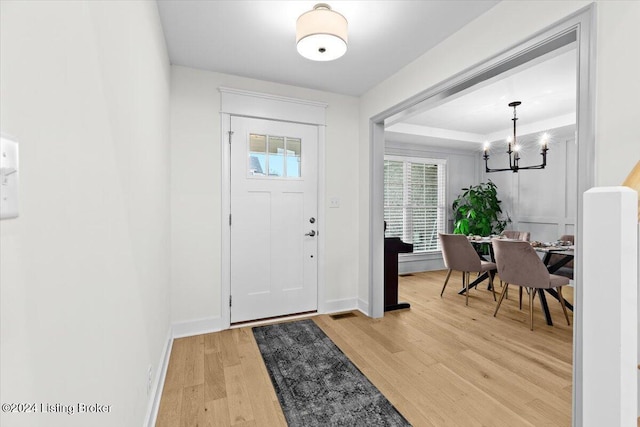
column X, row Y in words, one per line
column 236, row 102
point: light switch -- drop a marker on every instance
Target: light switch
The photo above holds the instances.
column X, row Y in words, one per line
column 8, row 178
column 334, row 202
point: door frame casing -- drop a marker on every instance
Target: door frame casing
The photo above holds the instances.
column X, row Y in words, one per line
column 583, row 23
column 242, row 103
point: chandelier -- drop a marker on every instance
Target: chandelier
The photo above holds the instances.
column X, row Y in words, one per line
column 514, row 148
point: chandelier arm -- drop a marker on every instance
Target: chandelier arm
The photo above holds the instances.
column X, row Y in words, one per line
column 531, row 167
column 488, row 169
column 512, row 151
column 516, row 167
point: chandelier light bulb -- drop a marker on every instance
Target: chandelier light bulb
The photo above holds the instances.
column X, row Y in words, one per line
column 544, row 140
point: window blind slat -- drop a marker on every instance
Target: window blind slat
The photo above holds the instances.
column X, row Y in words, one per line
column 414, row 204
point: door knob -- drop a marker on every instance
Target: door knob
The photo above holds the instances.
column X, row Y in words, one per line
column 311, row 233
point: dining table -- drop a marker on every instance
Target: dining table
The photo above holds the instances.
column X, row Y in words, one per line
column 548, row 249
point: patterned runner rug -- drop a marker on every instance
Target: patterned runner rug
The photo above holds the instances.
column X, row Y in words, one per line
column 317, row 385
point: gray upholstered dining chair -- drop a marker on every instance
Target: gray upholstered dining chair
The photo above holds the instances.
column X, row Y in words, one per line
column 459, row 255
column 517, row 235
column 518, row 264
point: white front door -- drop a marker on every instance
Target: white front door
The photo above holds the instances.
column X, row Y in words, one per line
column 274, row 182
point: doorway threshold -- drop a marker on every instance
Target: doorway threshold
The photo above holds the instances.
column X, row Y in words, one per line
column 275, row 319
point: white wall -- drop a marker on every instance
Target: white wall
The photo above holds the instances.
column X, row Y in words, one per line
column 463, row 169
column 84, row 277
column 543, row 202
column 617, row 91
column 196, row 190
column 507, row 23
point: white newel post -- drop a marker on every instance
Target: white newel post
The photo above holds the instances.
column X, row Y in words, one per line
column 610, row 307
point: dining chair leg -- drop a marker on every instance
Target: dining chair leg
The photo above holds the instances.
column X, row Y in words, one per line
column 520, row 297
column 493, row 288
column 531, row 308
column 445, row 282
column 466, row 287
column 504, row 291
column 564, row 308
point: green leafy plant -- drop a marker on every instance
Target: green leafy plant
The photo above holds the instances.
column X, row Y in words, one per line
column 477, row 211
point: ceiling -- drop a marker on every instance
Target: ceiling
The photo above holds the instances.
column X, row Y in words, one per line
column 256, row 39
column 546, row 87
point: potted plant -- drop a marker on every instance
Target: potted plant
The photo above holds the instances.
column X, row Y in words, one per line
column 477, row 211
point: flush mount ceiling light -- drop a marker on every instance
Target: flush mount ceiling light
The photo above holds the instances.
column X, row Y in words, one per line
column 321, row 34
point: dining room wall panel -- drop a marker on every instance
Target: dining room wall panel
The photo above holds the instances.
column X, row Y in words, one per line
column 543, row 202
column 505, row 183
column 541, row 192
column 540, row 229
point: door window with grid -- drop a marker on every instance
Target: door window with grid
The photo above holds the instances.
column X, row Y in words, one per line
column 414, row 200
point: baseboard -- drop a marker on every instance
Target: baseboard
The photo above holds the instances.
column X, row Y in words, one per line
column 158, row 384
column 197, row 327
column 414, row 263
column 338, row 305
column 363, row 306
column 177, row 330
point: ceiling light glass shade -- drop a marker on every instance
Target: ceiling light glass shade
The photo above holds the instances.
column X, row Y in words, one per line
column 321, row 34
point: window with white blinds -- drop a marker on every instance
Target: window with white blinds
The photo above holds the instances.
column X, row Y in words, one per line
column 414, row 200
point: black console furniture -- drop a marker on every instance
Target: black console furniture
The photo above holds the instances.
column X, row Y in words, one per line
column 392, row 247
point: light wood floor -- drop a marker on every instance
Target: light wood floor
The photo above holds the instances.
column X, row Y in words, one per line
column 440, row 363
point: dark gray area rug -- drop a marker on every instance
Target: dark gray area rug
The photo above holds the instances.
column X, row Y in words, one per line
column 317, row 385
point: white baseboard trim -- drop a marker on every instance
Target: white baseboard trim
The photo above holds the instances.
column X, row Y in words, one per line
column 158, row 384
column 338, row 305
column 177, row 330
column 363, row 306
column 197, row 327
